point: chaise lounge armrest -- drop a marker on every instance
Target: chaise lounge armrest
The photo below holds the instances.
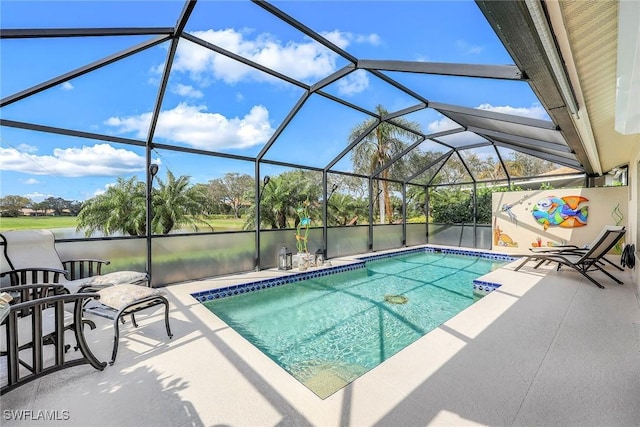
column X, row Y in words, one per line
column 559, row 248
column 34, row 291
column 51, row 275
column 82, row 268
column 24, row 276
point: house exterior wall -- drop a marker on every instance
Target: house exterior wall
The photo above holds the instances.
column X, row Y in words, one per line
column 515, row 229
column 634, row 216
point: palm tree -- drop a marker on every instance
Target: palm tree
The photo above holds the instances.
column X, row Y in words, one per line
column 122, row 208
column 176, row 203
column 119, row 209
column 344, row 209
column 281, row 198
column 277, row 205
column 377, row 148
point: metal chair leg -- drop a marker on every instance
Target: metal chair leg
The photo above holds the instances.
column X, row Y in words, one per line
column 123, row 312
column 116, row 338
column 166, row 317
column 133, row 320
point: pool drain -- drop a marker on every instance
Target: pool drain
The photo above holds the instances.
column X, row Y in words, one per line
column 396, row 299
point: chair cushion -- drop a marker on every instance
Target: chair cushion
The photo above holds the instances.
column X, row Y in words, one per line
column 117, row 278
column 73, row 285
column 120, row 296
column 31, row 248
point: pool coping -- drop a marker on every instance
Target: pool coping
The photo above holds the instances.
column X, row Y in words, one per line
column 480, row 287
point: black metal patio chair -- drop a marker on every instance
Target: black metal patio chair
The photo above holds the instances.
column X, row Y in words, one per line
column 582, row 261
column 31, row 257
column 37, row 319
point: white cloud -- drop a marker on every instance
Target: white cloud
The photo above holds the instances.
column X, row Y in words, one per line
column 353, row 83
column 26, row 148
column 339, row 38
column 306, row 61
column 96, row 160
column 303, row 61
column 196, row 127
column 372, row 39
column 37, row 197
column 536, row 111
column 67, row 86
column 31, row 181
column 186, row 90
column 343, row 39
column 442, row 124
column 102, row 190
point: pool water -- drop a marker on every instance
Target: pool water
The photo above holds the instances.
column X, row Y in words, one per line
column 328, row 331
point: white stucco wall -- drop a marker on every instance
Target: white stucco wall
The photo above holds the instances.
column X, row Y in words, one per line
column 518, row 232
column 634, row 216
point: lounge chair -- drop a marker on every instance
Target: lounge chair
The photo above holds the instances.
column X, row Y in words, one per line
column 32, row 258
column 38, row 319
column 573, row 249
column 582, row 261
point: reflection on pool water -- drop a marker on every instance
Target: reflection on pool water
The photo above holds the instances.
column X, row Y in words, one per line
column 327, row 331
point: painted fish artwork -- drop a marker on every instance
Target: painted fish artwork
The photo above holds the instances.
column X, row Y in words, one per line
column 568, row 212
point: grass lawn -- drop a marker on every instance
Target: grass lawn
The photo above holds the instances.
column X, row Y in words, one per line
column 36, row 222
column 50, row 222
column 226, row 224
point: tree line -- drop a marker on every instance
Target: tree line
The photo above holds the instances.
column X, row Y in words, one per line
column 13, row 205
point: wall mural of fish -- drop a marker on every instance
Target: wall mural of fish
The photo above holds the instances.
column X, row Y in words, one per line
column 568, row 212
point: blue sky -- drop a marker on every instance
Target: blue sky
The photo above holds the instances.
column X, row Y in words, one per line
column 215, row 103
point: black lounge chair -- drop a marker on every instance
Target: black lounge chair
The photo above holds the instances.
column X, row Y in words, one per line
column 582, row 260
column 573, row 249
column 31, row 257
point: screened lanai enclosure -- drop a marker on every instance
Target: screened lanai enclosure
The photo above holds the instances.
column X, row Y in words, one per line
column 316, row 128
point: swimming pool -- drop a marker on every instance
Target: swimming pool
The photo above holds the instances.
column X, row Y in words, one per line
column 329, row 329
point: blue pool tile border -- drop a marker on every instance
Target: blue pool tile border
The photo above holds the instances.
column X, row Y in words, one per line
column 478, row 286
column 481, row 254
column 391, row 254
column 214, row 294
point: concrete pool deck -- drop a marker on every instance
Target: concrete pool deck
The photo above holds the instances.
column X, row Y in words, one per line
column 546, row 348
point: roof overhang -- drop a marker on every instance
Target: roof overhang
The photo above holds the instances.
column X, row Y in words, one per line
column 513, row 23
